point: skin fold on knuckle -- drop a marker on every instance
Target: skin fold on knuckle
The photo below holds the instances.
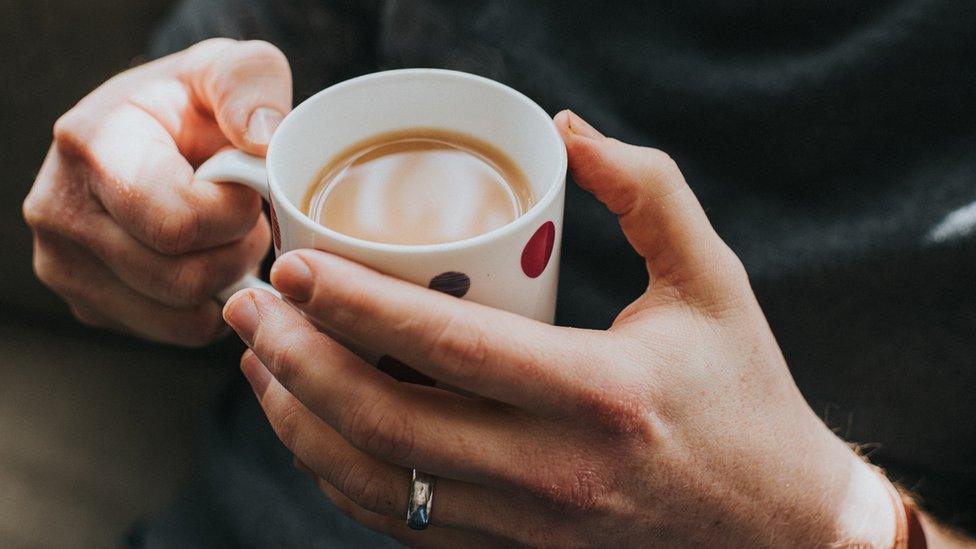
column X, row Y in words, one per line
column 380, row 429
column 45, row 268
column 286, row 416
column 190, row 282
column 31, row 209
column 347, row 304
column 86, row 316
column 285, row 348
column 173, row 231
column 458, row 343
column 266, row 54
column 60, row 200
column 233, row 210
column 364, row 483
column 573, row 490
column 69, row 131
column 58, row 273
column 613, row 411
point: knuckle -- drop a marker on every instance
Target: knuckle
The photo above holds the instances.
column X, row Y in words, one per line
column 265, row 53
column 51, row 203
column 352, row 299
column 613, row 412
column 241, row 61
column 381, row 430
column 661, row 173
column 366, row 486
column 72, row 133
column 350, row 305
column 66, row 130
column 212, row 44
column 31, row 210
column 174, row 232
column 664, row 162
column 287, row 423
column 51, row 272
column 732, row 267
column 457, row 345
column 284, row 358
column 86, row 317
column 579, row 493
column 730, row 291
column 190, row 282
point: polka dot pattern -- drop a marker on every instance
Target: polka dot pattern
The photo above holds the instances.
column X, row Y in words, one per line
column 538, row 250
column 451, row 283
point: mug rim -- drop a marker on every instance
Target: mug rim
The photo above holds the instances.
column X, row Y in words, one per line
column 282, row 202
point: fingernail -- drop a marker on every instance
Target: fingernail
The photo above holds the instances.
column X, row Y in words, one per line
column 241, row 312
column 581, row 127
column 256, row 374
column 264, row 121
column 292, row 277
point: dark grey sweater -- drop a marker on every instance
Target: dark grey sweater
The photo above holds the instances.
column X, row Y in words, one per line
column 832, row 143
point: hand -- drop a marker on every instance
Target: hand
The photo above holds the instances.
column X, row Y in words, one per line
column 122, row 231
column 679, row 426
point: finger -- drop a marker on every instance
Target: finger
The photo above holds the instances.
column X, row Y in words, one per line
column 379, row 487
column 89, row 317
column 397, row 422
column 247, row 86
column 81, row 279
column 132, row 166
column 181, row 280
column 658, row 212
column 432, row 536
column 490, row 352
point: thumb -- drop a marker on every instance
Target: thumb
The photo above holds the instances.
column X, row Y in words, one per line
column 247, row 86
column 658, row 212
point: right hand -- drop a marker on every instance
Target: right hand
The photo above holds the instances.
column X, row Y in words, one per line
column 122, row 230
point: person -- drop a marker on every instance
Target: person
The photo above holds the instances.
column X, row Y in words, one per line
column 824, row 150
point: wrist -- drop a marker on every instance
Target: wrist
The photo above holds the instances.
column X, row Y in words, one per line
column 868, row 513
column 839, row 501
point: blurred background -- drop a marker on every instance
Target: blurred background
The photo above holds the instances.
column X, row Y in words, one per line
column 95, row 430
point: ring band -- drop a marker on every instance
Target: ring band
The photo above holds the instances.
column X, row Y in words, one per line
column 421, row 495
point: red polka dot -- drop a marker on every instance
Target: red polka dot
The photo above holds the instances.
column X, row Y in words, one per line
column 275, row 230
column 538, row 250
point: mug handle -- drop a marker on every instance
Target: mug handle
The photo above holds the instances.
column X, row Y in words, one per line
column 234, row 166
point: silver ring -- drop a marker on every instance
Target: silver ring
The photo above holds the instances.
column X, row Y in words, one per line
column 421, row 494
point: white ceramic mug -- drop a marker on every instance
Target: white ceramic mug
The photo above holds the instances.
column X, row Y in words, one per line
column 514, row 267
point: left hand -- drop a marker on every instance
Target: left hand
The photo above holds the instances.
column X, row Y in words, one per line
column 678, row 426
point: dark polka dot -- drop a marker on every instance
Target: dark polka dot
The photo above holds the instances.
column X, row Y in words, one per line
column 538, row 250
column 452, row 283
column 401, row 372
